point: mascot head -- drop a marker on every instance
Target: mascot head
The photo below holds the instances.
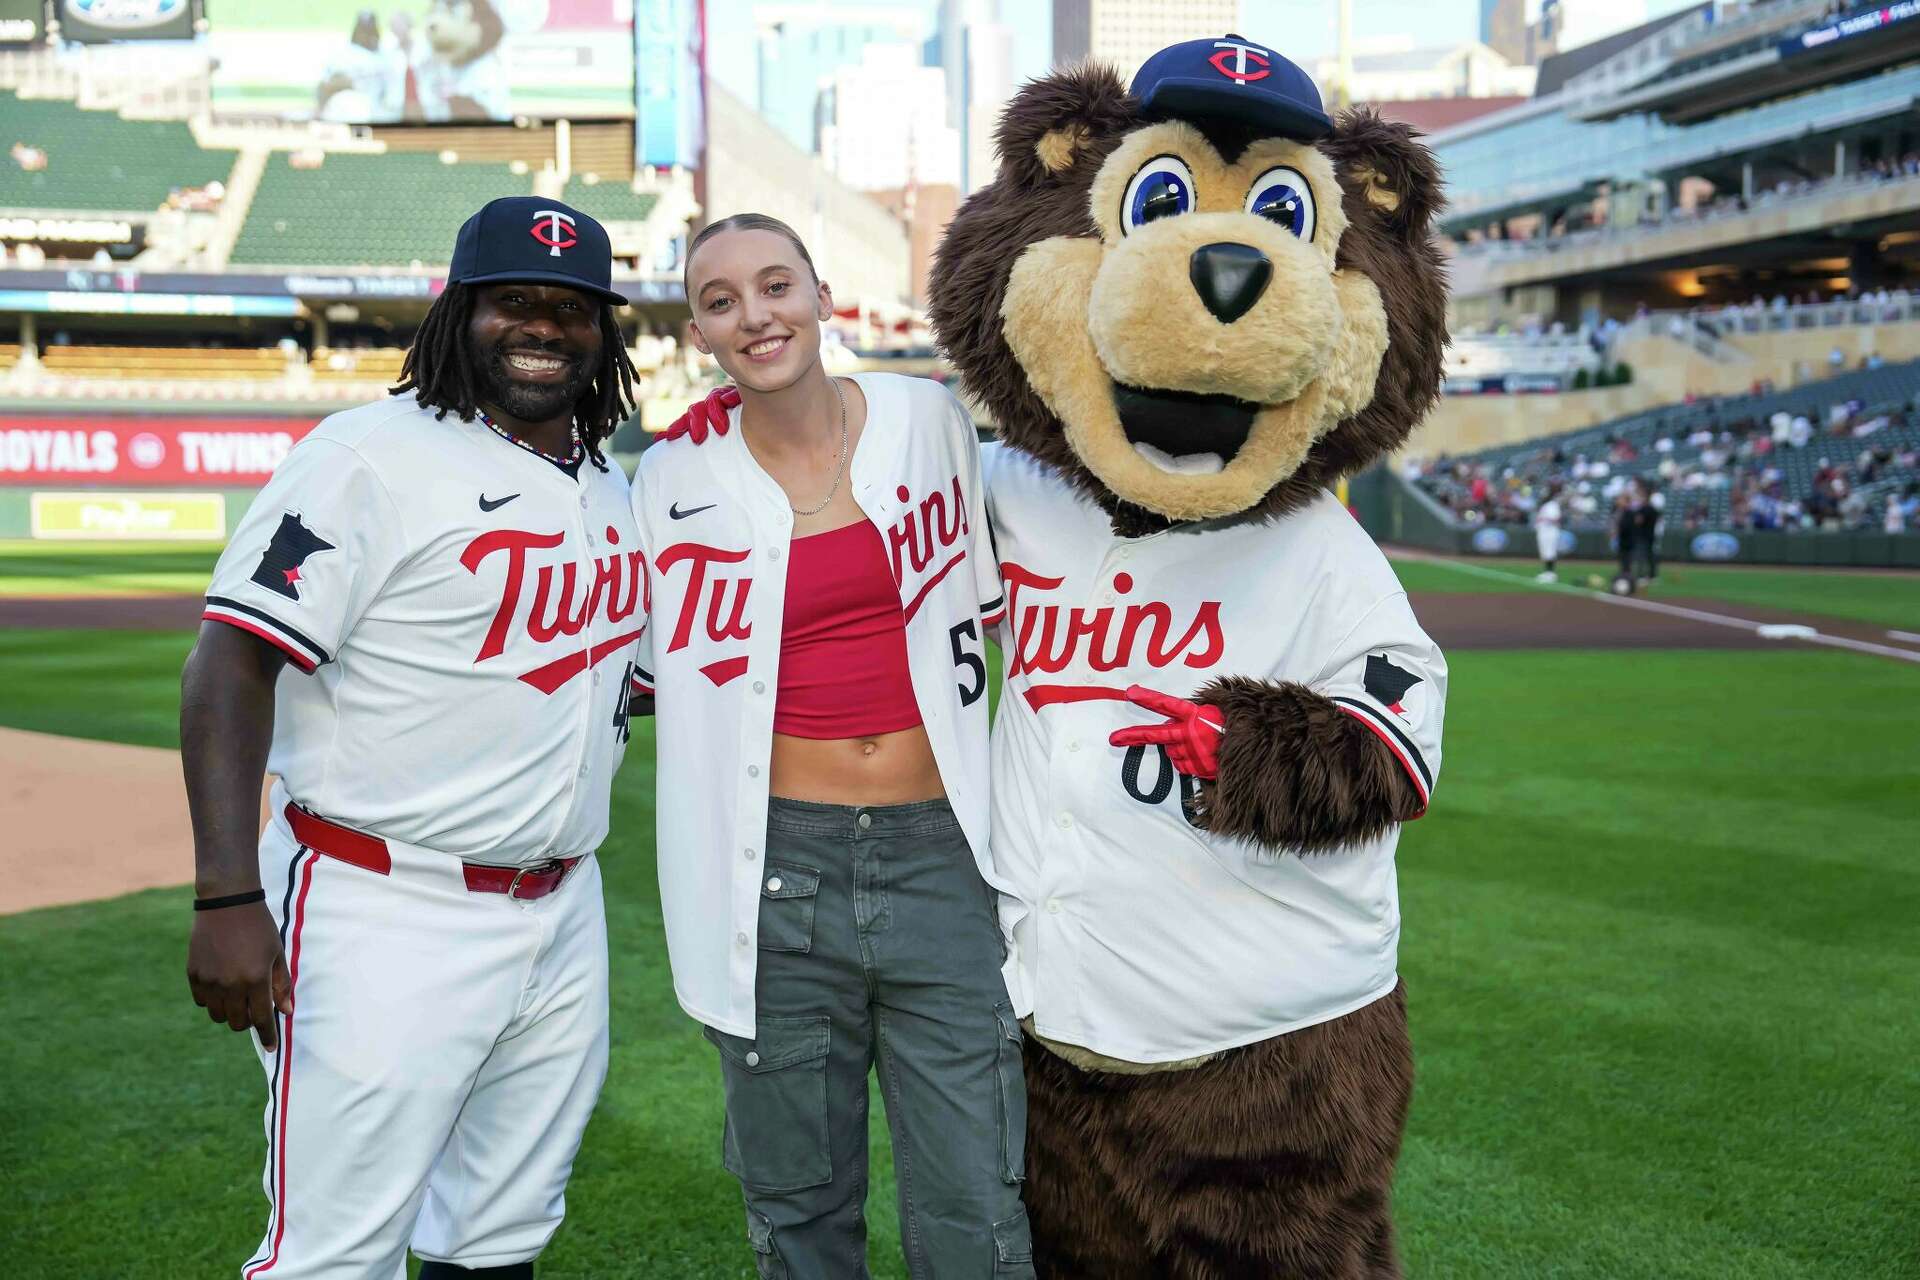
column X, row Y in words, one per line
column 1199, row 298
column 462, row 31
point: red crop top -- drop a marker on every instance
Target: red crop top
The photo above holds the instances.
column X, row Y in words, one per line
column 843, row 642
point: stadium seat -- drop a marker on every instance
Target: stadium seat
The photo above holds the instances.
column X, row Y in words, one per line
column 96, row 161
column 215, row 363
column 609, row 201
column 368, row 210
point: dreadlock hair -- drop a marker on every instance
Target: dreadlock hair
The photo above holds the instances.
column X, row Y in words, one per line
column 440, row 371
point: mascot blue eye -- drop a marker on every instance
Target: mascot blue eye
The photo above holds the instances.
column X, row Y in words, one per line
column 1283, row 196
column 1162, row 189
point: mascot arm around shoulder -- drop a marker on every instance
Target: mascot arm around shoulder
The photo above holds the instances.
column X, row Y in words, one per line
column 1190, row 308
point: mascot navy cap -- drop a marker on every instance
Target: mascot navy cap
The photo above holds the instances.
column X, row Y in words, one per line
column 1233, row 79
column 538, row 241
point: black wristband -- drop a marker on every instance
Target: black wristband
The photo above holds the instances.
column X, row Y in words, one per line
column 231, row 900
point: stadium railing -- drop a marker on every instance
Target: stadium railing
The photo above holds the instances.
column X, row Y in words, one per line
column 1761, row 202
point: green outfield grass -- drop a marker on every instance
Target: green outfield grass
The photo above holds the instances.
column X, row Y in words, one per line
column 104, row 569
column 1659, row 944
column 1890, row 599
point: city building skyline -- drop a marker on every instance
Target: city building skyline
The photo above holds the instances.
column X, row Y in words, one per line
column 1394, row 70
column 1128, row 32
column 884, row 122
column 799, row 47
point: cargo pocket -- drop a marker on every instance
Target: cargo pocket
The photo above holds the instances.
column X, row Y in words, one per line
column 776, row 1085
column 766, row 1255
column 787, row 893
column 1013, row 1246
column 1013, row 1099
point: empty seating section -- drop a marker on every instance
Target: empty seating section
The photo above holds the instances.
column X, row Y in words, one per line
column 373, row 364
column 366, row 210
column 221, row 363
column 96, row 161
column 609, row 201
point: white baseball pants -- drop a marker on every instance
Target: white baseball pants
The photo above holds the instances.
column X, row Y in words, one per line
column 434, row 1079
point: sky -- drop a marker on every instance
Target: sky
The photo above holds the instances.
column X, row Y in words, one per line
column 1302, row 29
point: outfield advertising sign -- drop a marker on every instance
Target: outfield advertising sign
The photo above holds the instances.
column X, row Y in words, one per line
column 183, row 517
column 205, row 452
column 22, row 22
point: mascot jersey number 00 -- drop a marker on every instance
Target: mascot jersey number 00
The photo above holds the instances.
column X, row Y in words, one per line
column 1191, row 307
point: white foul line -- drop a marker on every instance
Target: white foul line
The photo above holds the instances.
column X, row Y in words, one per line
column 1678, row 611
column 1908, row 637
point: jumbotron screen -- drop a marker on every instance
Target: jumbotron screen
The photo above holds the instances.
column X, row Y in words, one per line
column 422, row 61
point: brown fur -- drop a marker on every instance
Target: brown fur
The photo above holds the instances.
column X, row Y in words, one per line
column 1027, row 203
column 1275, row 1160
column 1298, row 772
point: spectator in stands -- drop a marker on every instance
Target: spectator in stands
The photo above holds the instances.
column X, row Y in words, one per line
column 1800, row 431
column 1895, row 518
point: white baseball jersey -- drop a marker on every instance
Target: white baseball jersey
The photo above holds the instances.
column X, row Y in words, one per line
column 716, row 528
column 1138, row 936
column 466, row 612
column 1546, row 528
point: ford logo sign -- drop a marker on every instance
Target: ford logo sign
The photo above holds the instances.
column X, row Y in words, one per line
column 128, row 15
column 1715, row 546
column 1490, row 541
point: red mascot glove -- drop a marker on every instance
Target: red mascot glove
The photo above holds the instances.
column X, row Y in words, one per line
column 1191, row 733
column 706, row 415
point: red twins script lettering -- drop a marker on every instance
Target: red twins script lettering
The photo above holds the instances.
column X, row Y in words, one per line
column 711, row 590
column 1052, row 637
column 925, row 533
column 619, row 587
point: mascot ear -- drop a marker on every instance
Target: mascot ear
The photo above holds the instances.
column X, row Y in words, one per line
column 1388, row 177
column 1056, row 124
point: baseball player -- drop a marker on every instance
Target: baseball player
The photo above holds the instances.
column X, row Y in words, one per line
column 1546, row 531
column 417, row 938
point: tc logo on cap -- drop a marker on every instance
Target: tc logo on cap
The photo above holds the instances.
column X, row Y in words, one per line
column 554, row 229
column 1249, row 61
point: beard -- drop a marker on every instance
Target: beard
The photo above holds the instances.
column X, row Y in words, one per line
column 533, row 402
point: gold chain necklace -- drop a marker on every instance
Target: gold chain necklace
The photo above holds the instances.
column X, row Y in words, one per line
column 840, row 468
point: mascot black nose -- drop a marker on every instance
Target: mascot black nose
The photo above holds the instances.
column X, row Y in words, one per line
column 1229, row 278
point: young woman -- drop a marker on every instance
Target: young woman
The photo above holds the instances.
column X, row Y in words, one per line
column 821, row 573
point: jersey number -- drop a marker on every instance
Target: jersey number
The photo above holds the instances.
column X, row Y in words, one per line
column 1165, row 777
column 965, row 661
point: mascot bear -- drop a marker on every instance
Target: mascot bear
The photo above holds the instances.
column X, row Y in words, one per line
column 1191, row 307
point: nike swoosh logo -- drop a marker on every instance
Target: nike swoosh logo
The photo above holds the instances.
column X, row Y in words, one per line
column 494, row 504
column 675, row 511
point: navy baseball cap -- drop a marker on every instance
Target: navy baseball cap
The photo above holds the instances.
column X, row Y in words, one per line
column 1233, row 79
column 538, row 241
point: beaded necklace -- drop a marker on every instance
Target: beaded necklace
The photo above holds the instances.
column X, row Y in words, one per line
column 573, row 455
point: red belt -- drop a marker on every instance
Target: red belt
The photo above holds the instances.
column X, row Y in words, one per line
column 525, row 884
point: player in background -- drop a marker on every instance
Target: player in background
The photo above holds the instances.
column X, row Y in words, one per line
column 822, row 580
column 417, row 940
column 1546, row 530
column 1649, row 514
